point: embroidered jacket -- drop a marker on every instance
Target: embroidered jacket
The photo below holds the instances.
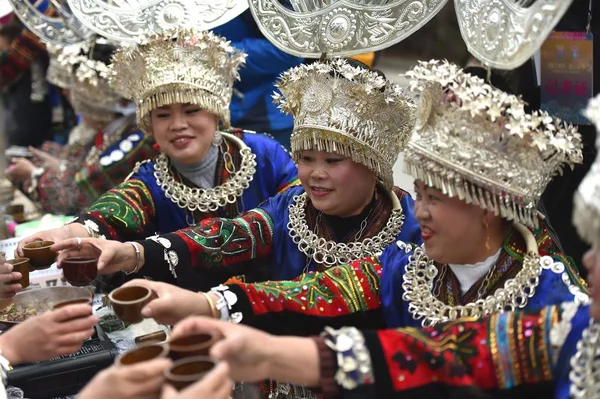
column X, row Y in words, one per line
column 514, row 354
column 223, row 247
column 369, row 292
column 139, row 207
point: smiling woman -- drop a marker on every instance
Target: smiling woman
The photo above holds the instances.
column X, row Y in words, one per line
column 181, row 82
column 350, row 125
column 335, row 185
column 184, row 131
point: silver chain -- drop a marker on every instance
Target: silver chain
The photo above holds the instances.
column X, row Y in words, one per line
column 207, row 200
column 486, row 282
column 357, row 236
column 418, row 291
column 331, row 253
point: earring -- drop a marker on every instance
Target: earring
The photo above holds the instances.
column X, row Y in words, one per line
column 217, row 139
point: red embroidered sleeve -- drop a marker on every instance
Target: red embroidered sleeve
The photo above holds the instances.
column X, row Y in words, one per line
column 498, row 352
column 346, row 294
column 218, row 242
column 207, row 254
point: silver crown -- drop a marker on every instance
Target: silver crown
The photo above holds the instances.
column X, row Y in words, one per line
column 476, row 142
column 48, row 26
column 341, row 27
column 586, row 213
column 504, row 34
column 347, row 110
column 178, row 66
column 128, row 20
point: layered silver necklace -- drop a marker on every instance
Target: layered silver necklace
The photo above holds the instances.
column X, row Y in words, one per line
column 419, row 288
column 211, row 199
column 331, row 253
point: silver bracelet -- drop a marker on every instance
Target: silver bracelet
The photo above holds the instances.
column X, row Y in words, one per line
column 353, row 357
column 90, row 227
column 137, row 257
column 225, row 304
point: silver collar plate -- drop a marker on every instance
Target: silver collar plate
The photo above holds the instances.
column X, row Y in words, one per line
column 502, row 33
column 50, row 29
column 341, row 27
column 128, row 20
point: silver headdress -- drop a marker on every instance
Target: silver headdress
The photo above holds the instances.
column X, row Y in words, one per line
column 180, row 66
column 91, row 94
column 504, row 34
column 58, row 74
column 347, row 110
column 500, row 33
column 476, row 142
column 125, row 21
column 341, row 27
column 586, row 214
column 49, row 26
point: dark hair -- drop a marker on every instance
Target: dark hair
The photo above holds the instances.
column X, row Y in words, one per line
column 11, row 31
column 102, row 52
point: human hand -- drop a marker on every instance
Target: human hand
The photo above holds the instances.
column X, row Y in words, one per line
column 113, row 256
column 56, row 235
column 54, row 333
column 7, row 275
column 247, row 350
column 141, row 380
column 20, row 170
column 173, row 303
column 48, row 161
column 215, row 385
column 253, row 355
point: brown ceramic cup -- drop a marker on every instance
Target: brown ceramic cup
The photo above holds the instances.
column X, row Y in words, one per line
column 191, row 345
column 142, row 353
column 77, row 301
column 152, row 338
column 79, row 271
column 128, row 302
column 22, row 266
column 185, row 372
column 39, row 254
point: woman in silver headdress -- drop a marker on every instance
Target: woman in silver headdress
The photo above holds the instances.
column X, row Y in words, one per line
column 552, row 352
column 350, row 126
column 181, row 82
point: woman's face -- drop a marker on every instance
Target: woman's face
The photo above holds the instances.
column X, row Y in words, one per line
column 183, row 131
column 452, row 230
column 335, row 184
column 591, row 261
